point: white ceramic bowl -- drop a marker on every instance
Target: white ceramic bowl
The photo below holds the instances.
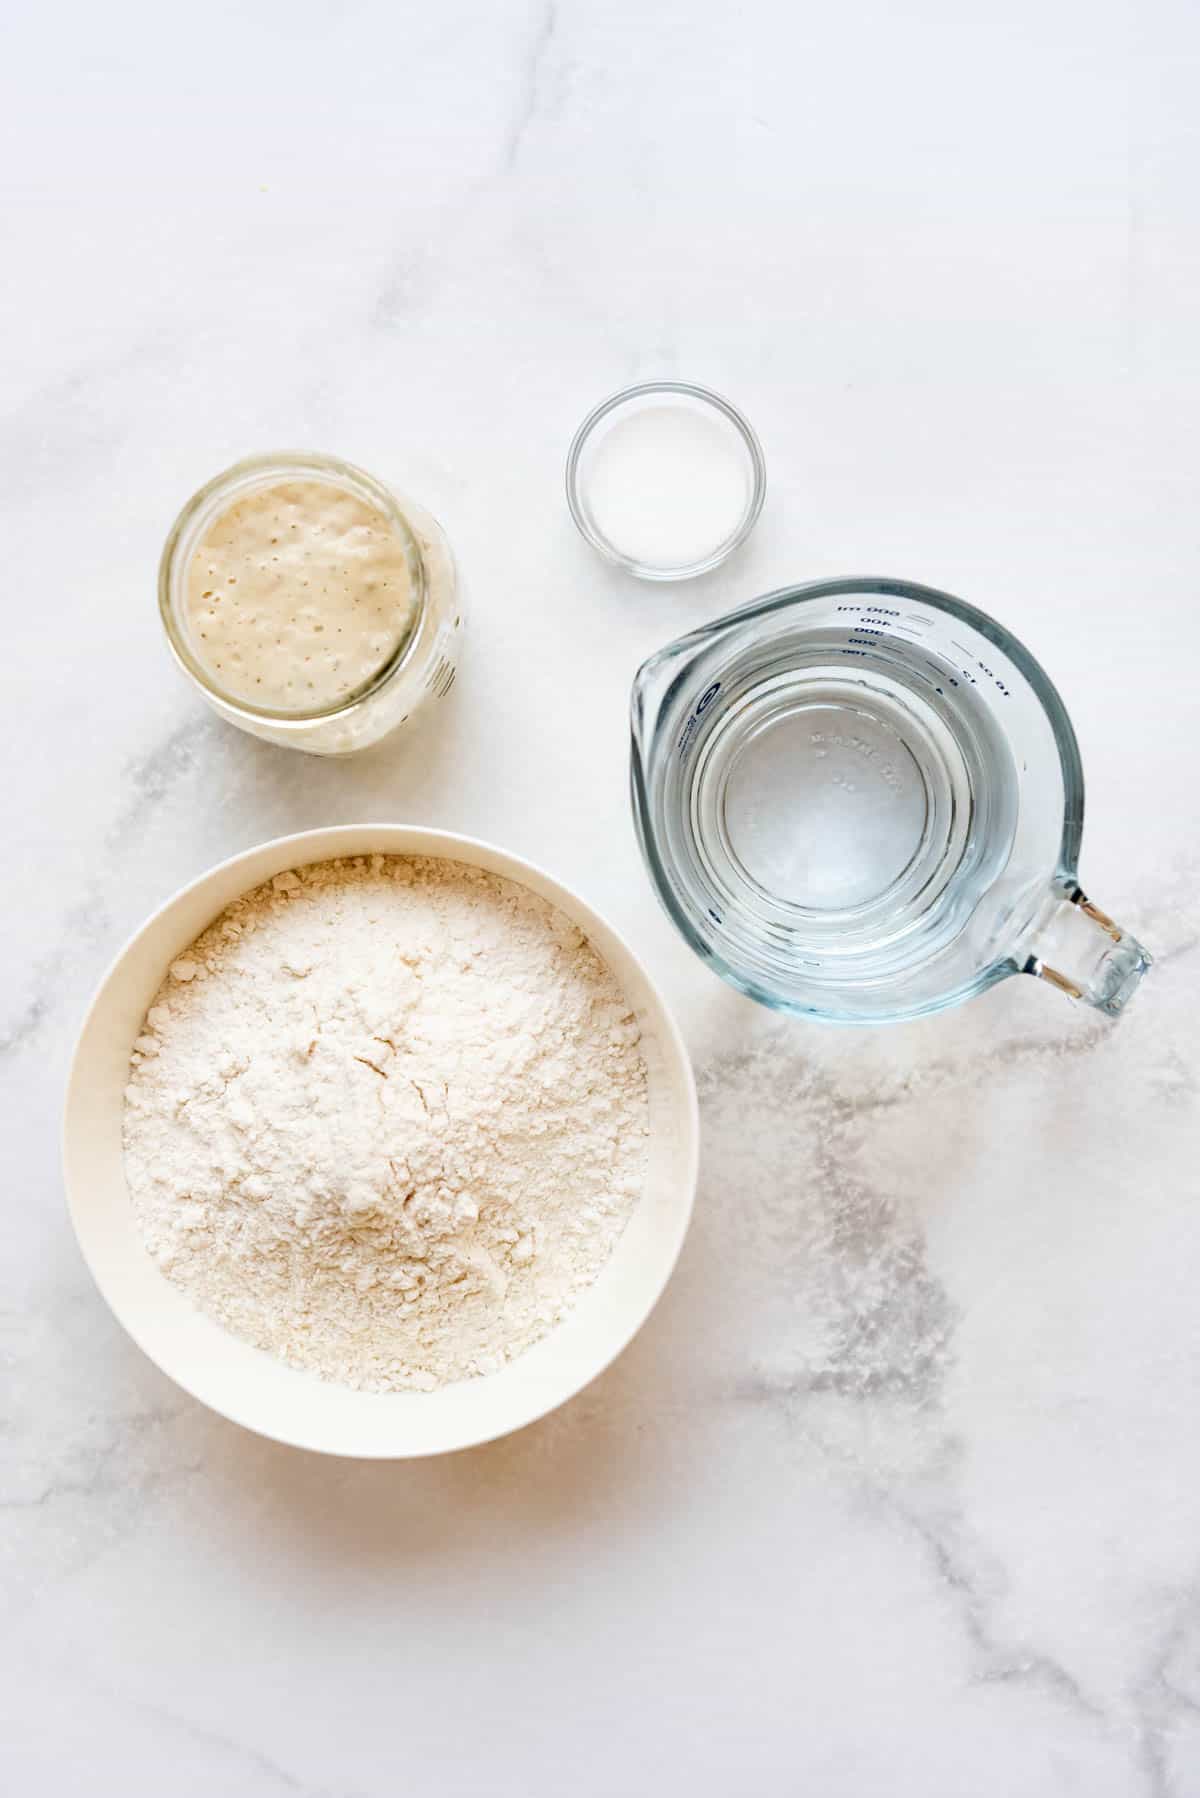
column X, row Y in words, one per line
column 253, row 1388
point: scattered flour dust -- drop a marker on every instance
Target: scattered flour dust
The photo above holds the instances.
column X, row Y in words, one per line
column 387, row 1119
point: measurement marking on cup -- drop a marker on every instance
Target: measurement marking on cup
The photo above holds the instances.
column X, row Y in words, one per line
column 693, row 723
column 982, row 667
column 859, row 746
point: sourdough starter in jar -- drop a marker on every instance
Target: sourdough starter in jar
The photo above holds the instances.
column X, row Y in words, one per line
column 298, row 596
column 309, row 604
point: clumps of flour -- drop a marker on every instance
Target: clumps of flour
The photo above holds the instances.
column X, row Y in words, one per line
column 387, row 1119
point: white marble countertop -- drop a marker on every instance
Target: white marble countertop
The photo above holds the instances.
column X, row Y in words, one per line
column 896, row 1492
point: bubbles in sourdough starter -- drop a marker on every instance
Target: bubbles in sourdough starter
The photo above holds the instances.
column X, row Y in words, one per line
column 298, row 595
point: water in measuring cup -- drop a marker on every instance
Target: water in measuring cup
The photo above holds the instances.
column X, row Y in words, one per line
column 848, row 812
column 825, row 804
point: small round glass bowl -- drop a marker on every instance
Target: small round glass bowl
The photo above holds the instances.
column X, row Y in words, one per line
column 665, row 479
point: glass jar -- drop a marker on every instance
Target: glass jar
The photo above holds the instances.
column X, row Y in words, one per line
column 418, row 665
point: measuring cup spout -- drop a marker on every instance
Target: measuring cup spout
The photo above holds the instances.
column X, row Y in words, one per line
column 655, row 680
column 1085, row 955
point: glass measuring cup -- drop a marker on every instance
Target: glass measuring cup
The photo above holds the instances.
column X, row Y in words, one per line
column 862, row 800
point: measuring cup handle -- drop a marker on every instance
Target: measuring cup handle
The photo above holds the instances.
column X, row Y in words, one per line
column 1085, row 955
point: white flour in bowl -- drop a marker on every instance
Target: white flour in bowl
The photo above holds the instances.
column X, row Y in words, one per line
column 387, row 1119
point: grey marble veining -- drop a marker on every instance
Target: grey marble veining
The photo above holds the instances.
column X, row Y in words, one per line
column 895, row 1493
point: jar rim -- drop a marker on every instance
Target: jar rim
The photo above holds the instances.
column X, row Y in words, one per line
column 242, row 476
